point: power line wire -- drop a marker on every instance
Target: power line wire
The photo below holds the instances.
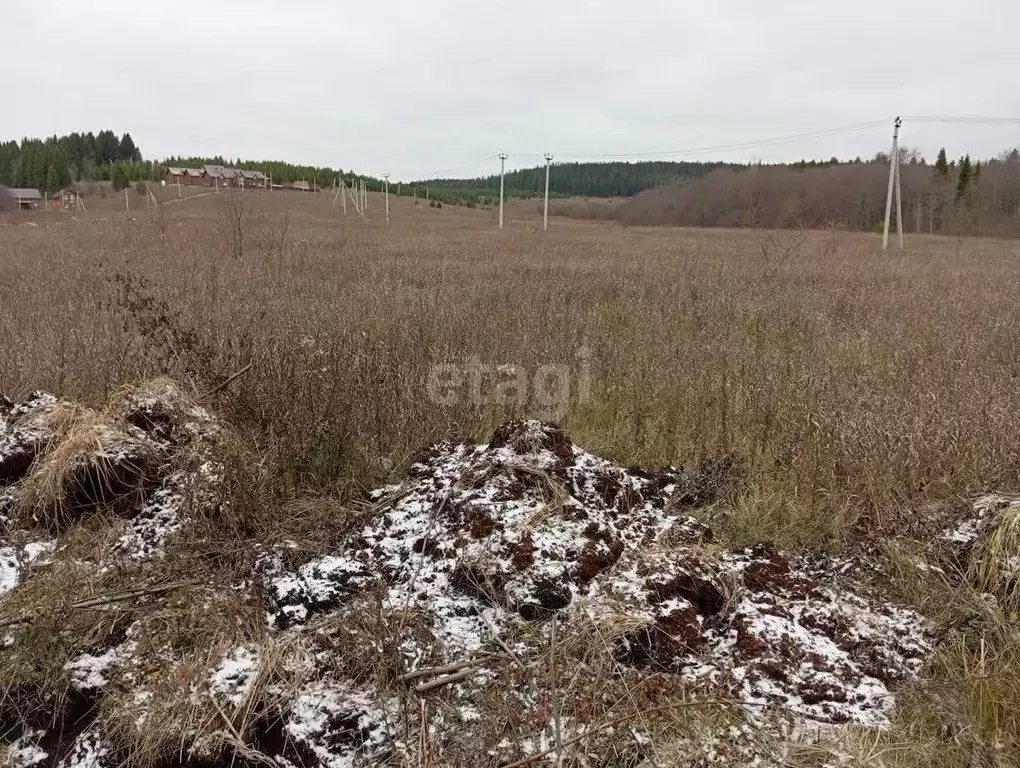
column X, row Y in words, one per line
column 966, row 120
column 437, row 174
column 752, row 144
column 739, row 145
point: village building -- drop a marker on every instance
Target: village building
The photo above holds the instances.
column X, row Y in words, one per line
column 252, row 179
column 211, row 175
column 26, row 199
column 64, row 200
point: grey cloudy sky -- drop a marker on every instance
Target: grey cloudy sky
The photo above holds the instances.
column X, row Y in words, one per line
column 416, row 88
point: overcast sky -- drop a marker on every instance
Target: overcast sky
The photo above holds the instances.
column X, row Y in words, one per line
column 417, row 88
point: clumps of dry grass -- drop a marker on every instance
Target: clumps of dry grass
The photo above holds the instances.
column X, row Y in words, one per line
column 153, row 712
column 995, row 559
column 88, row 462
column 767, row 514
column 158, row 708
column 160, row 407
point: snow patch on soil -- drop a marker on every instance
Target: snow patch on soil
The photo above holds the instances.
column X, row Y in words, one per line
column 478, row 555
column 235, row 675
column 984, row 517
column 25, row 751
column 343, row 728
column 91, row 672
column 87, row 752
column 529, row 525
column 14, row 559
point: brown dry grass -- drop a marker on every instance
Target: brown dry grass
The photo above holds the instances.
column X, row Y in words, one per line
column 852, row 384
column 846, row 379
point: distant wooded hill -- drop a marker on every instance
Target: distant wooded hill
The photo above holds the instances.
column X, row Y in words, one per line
column 609, row 179
column 961, row 197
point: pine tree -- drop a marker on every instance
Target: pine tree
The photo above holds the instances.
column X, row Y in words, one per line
column 128, row 151
column 107, row 147
column 52, row 180
column 964, row 179
column 942, row 165
column 119, row 176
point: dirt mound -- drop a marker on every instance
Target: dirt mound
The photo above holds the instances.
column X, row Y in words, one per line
column 86, row 499
column 60, row 462
column 505, row 599
column 530, row 527
column 983, row 546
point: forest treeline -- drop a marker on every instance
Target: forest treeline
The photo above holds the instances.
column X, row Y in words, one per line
column 959, row 197
column 58, row 161
column 608, row 179
column 49, row 164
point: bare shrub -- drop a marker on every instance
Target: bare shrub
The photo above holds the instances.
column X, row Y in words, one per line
column 849, row 195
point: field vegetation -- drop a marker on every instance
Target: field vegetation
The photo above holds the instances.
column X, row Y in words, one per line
column 862, row 393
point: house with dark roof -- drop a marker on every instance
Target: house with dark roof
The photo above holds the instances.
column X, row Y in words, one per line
column 219, row 176
column 251, row 179
column 211, row 175
column 26, row 198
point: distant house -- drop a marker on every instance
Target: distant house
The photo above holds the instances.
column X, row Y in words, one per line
column 66, row 199
column 212, row 175
column 26, row 199
column 219, row 176
column 302, row 186
column 252, row 179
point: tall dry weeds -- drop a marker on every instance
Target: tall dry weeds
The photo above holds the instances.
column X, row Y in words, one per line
column 841, row 375
column 852, row 384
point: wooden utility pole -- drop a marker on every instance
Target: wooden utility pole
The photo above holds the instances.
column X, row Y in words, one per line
column 894, row 174
column 502, row 166
column 899, row 199
column 127, row 205
column 386, row 195
column 545, row 213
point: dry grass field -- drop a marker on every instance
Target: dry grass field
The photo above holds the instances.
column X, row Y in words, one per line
column 858, row 390
column 849, row 381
